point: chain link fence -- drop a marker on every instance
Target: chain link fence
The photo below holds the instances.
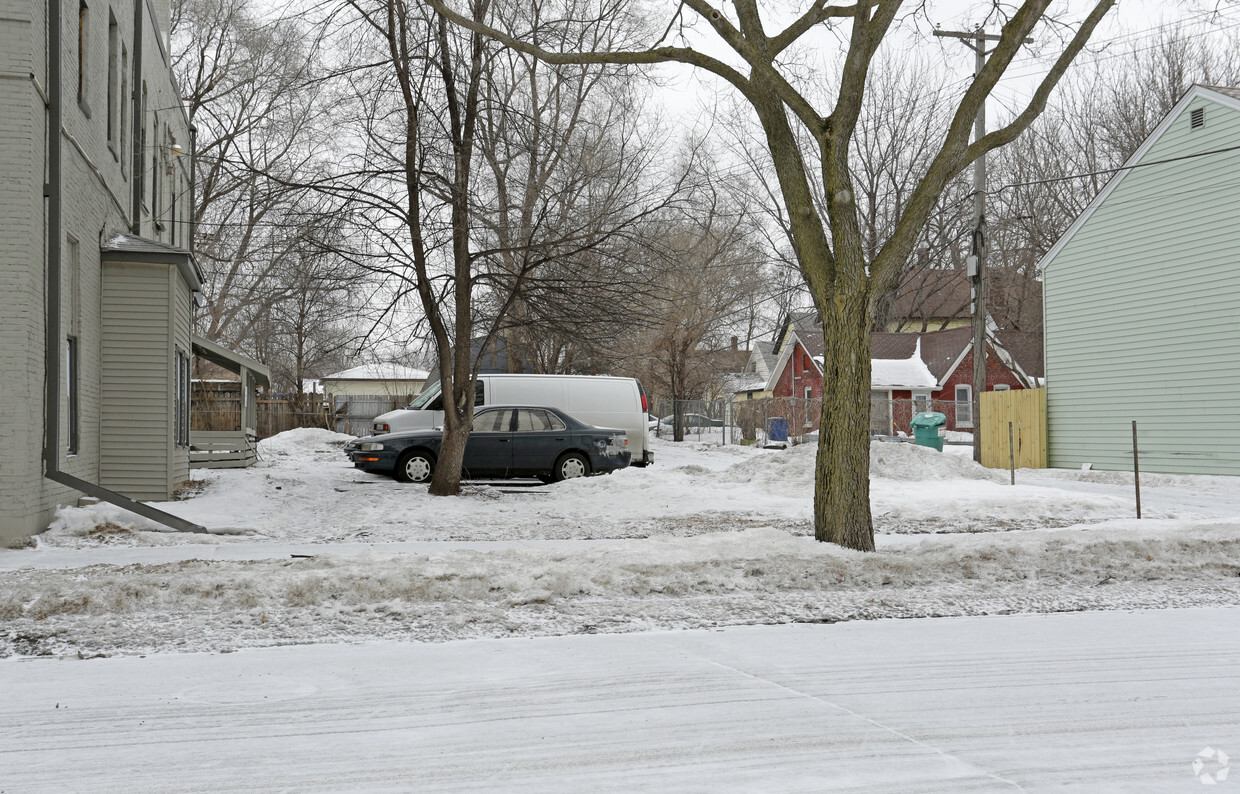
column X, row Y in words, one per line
column 793, row 420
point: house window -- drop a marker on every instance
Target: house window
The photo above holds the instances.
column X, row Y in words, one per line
column 124, row 110
column 114, row 79
column 181, row 399
column 1002, row 387
column 83, row 43
column 921, row 401
column 71, row 391
column 156, row 164
column 140, row 131
column 964, row 406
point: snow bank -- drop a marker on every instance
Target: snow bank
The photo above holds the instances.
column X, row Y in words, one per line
column 759, row 575
column 301, row 441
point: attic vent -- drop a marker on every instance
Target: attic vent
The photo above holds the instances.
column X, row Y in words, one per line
column 1198, row 118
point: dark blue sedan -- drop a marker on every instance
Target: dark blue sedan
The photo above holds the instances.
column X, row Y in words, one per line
column 505, row 441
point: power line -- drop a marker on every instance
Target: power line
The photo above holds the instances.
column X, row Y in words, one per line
column 1117, row 169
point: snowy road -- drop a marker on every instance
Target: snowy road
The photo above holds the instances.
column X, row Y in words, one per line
column 1092, row 701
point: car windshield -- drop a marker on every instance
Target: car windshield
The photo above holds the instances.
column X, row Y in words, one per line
column 428, row 394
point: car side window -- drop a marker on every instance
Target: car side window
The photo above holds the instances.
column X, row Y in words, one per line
column 492, row 421
column 478, row 394
column 532, row 420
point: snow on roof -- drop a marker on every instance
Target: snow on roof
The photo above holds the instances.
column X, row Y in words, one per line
column 744, row 381
column 379, row 371
column 902, row 373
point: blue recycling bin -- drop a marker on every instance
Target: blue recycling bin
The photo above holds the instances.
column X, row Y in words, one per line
column 776, row 429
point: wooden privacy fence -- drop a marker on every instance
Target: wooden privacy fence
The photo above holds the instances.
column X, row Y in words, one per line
column 1025, row 409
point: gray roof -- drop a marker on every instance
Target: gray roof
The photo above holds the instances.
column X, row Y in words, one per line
column 132, row 248
column 231, row 361
column 1234, row 93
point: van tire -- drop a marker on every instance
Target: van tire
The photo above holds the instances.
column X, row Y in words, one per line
column 415, row 466
column 569, row 466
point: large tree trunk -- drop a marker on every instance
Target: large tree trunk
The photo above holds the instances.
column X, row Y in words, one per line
column 842, row 475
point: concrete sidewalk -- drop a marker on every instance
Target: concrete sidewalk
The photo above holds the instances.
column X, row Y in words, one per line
column 1090, row 701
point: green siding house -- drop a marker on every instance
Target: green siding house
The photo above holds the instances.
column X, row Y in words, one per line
column 1142, row 304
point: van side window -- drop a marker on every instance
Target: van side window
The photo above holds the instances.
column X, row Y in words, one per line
column 478, row 394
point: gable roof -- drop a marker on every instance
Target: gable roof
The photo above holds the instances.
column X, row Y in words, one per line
column 790, row 343
column 937, row 354
column 802, row 323
column 936, row 294
column 761, row 359
column 1026, row 348
column 1229, row 97
column 385, row 371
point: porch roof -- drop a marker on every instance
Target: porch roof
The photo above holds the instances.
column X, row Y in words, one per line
column 233, row 362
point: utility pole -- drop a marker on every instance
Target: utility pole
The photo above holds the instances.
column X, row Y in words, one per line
column 976, row 41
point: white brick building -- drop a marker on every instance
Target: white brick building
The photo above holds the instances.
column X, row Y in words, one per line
column 109, row 239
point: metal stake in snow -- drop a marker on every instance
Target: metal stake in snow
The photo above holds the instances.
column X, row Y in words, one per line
column 1136, row 467
column 1011, row 453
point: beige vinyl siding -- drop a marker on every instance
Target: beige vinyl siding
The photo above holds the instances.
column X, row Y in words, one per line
column 1143, row 313
column 136, row 426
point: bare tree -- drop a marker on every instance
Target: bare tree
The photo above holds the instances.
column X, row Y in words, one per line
column 479, row 180
column 255, row 99
column 827, row 237
column 710, row 274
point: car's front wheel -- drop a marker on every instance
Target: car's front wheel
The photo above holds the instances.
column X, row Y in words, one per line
column 571, row 465
column 415, row 466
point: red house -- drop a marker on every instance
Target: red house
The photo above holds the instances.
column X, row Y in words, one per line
column 909, row 373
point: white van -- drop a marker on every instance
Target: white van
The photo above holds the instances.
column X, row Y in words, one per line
column 599, row 400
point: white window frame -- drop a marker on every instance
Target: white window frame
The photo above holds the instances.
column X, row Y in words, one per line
column 964, row 408
column 921, row 401
column 1001, row 387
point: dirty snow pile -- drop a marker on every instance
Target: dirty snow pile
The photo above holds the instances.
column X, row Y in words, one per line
column 311, row 550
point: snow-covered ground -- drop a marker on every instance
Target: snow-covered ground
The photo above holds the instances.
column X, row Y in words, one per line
column 1083, row 702
column 306, row 549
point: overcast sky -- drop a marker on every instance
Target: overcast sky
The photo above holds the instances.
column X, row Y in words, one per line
column 1133, row 23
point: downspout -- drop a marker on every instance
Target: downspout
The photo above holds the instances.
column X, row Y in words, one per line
column 51, row 342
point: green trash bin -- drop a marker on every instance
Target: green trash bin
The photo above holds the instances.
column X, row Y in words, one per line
column 928, row 428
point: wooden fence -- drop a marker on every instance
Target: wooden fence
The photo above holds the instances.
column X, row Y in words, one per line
column 221, row 412
column 1025, row 409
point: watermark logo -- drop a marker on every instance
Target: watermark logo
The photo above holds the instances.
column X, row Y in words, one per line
column 1211, row 766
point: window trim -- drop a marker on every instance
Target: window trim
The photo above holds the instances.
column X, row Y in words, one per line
column 967, row 421
column 83, row 83
column 73, row 378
